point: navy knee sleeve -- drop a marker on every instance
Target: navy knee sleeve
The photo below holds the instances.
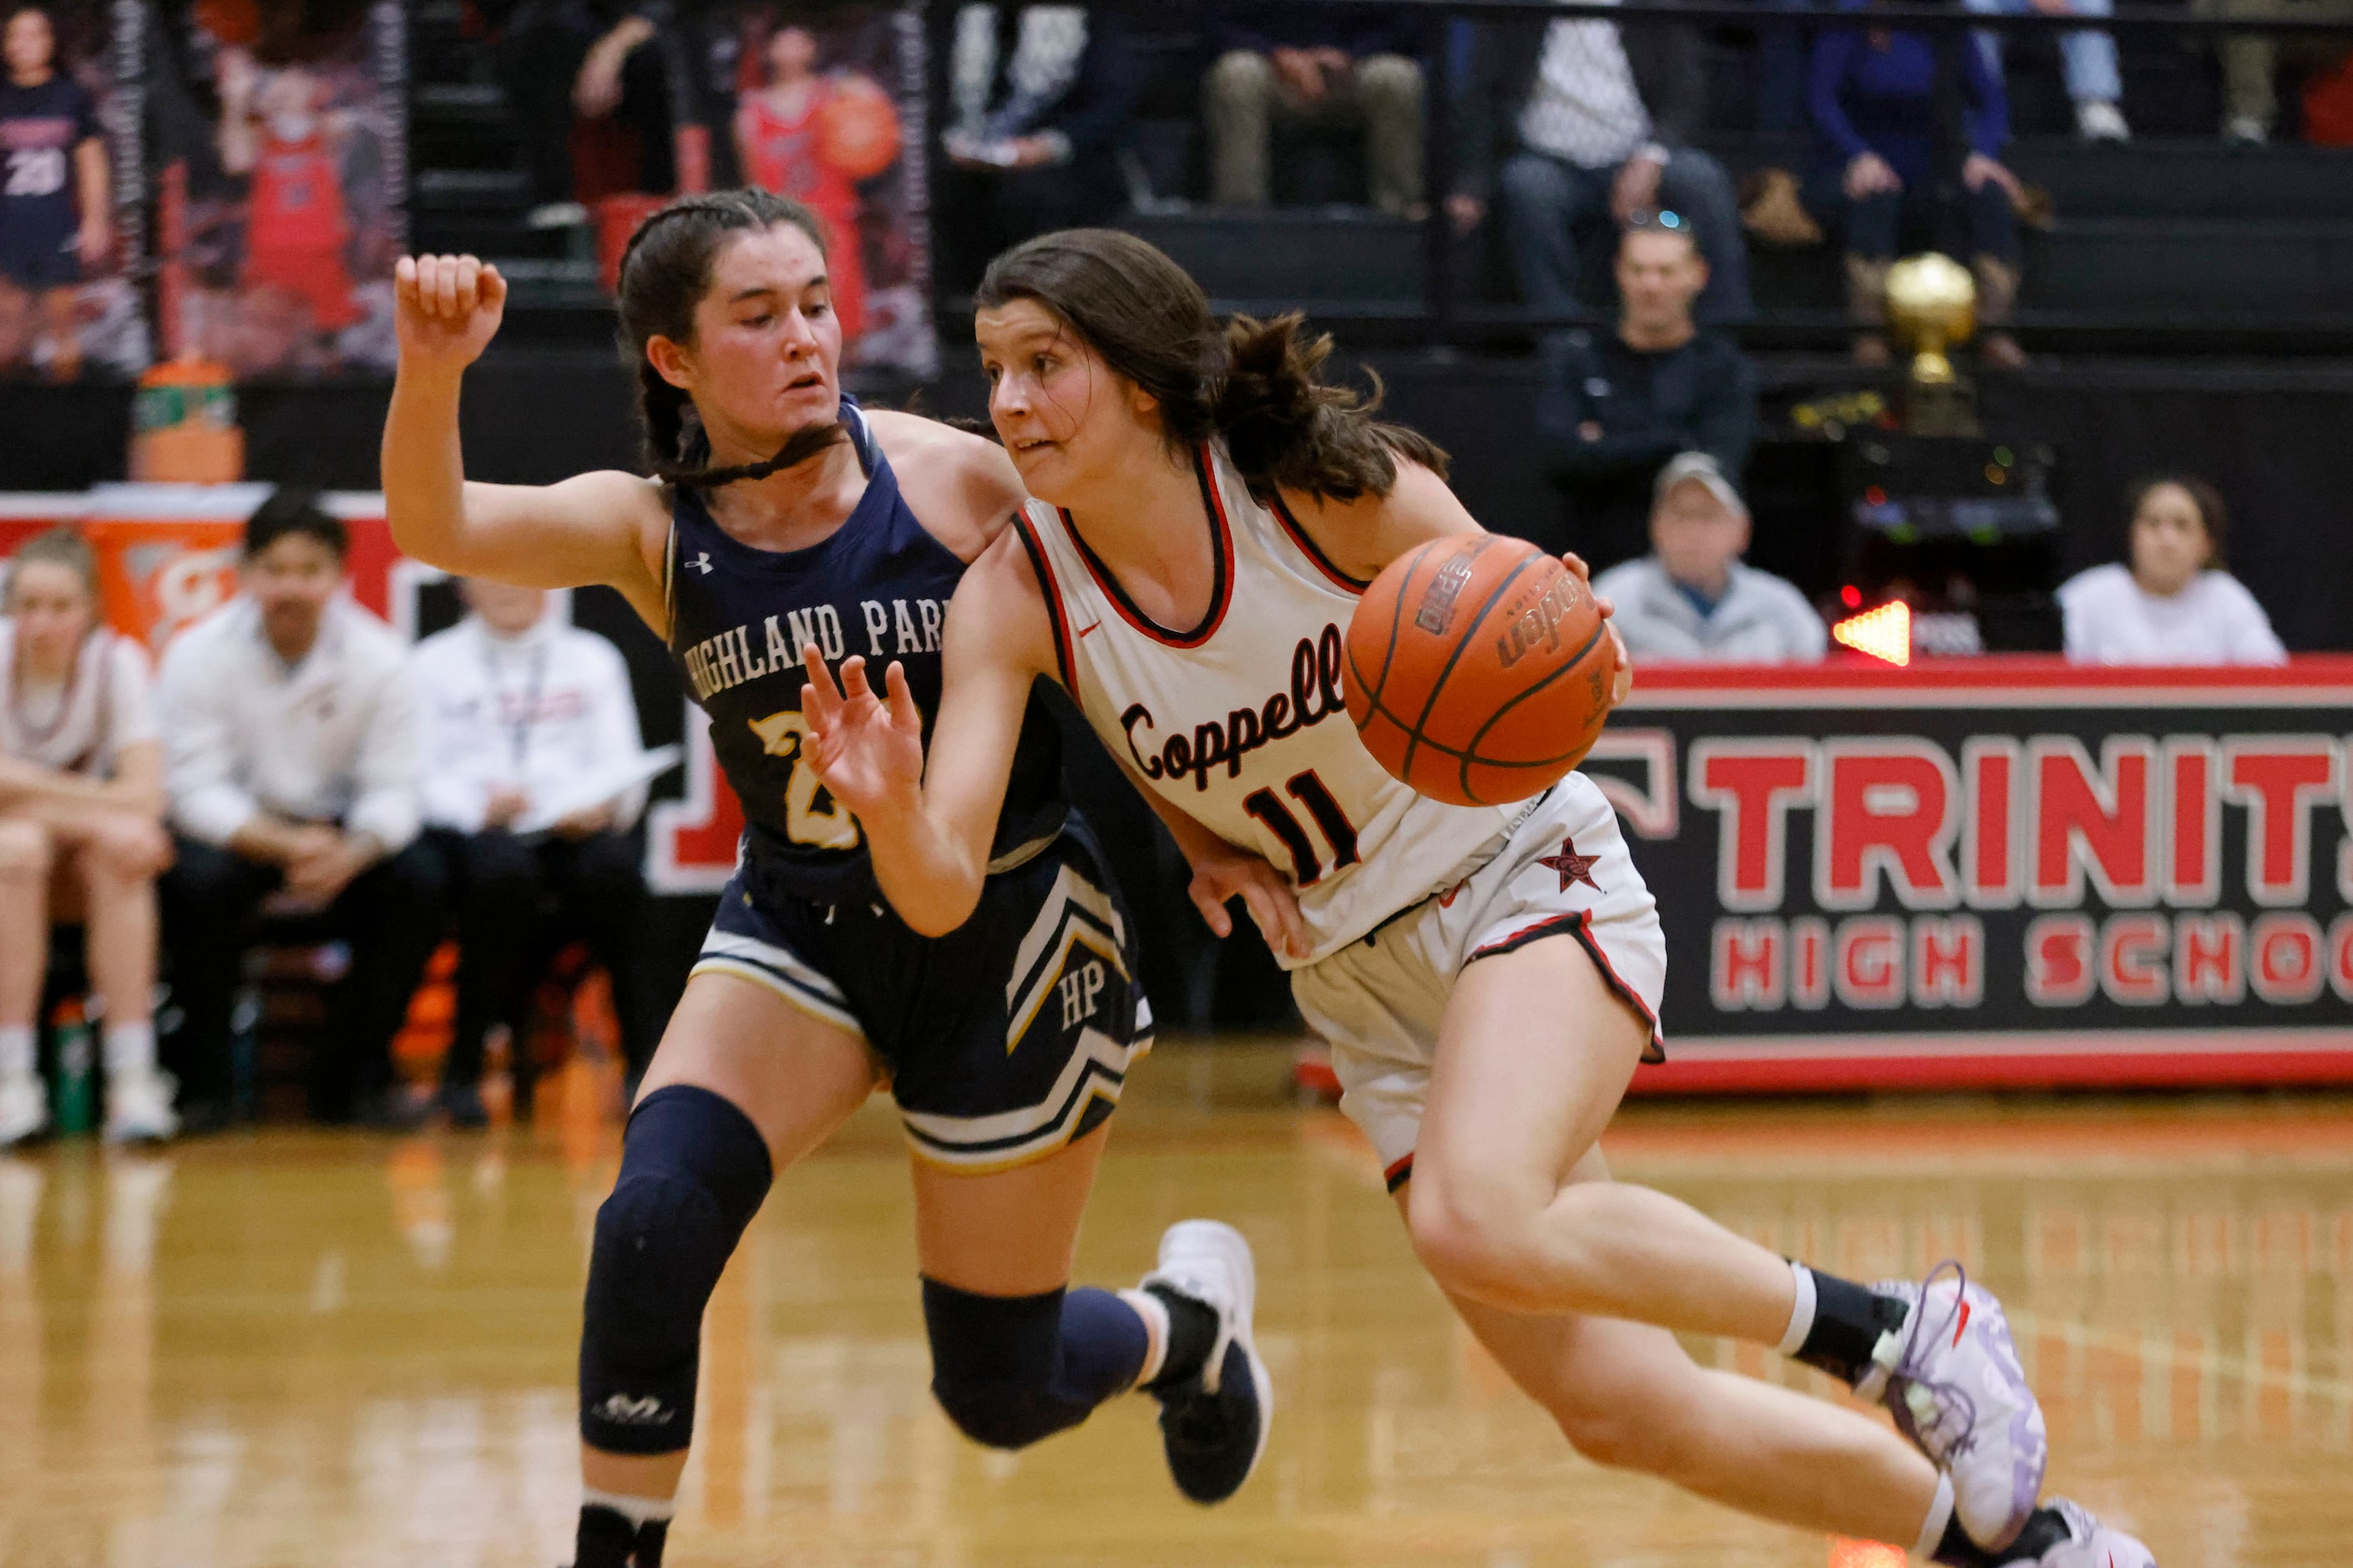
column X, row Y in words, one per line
column 1009, row 1370
column 693, row 1171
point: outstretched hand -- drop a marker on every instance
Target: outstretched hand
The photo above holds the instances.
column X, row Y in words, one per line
column 445, row 309
column 867, row 752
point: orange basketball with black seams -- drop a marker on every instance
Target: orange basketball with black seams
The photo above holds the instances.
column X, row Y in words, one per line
column 1479, row 671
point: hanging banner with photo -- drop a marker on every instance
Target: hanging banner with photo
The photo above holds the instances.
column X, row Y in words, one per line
column 830, row 109
column 72, row 198
column 281, row 201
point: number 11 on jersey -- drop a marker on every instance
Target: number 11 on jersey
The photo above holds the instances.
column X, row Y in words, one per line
column 1306, row 867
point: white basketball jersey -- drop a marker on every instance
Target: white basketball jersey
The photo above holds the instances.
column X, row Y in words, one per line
column 1239, row 721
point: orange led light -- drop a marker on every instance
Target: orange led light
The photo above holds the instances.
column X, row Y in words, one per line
column 1883, row 633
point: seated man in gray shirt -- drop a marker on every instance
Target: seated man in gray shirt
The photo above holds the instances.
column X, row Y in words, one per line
column 1691, row 599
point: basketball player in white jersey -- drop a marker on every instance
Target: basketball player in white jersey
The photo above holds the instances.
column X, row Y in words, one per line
column 1206, row 515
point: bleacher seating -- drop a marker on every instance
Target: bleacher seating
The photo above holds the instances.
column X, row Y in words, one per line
column 2175, row 243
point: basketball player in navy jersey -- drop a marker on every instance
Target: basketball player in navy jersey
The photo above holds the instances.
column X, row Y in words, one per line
column 782, row 515
column 1206, row 513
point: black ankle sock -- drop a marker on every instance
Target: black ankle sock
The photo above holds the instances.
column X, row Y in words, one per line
column 2043, row 1530
column 1848, row 1321
column 1192, row 1329
column 605, row 1540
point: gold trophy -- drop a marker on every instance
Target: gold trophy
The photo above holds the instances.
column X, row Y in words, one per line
column 1931, row 306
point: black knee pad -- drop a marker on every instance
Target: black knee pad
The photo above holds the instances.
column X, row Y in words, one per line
column 994, row 1360
column 693, row 1172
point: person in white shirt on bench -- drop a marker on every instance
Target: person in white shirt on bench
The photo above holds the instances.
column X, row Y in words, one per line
column 1691, row 599
column 518, row 708
column 290, row 743
column 81, row 835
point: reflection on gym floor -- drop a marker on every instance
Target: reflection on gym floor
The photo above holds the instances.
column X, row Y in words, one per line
column 304, row 1348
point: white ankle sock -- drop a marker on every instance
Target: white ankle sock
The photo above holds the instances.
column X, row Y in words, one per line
column 1801, row 1310
column 635, row 1510
column 16, row 1051
column 129, row 1047
column 1155, row 1313
column 1940, row 1514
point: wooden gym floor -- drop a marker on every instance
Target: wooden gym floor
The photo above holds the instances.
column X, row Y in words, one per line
column 298, row 1348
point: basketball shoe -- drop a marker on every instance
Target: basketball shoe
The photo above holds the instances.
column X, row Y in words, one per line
column 2087, row 1543
column 24, row 1108
column 1213, row 1424
column 1951, row 1378
column 138, row 1106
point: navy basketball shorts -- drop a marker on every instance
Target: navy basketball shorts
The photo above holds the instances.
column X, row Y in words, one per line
column 36, row 260
column 1004, row 1040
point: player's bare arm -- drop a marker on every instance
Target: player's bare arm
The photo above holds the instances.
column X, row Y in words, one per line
column 929, row 831
column 962, row 486
column 602, row 527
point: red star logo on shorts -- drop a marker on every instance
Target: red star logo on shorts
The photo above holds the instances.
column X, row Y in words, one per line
column 1572, row 866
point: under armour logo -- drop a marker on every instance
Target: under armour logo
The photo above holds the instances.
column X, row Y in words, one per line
column 701, row 562
column 625, row 1411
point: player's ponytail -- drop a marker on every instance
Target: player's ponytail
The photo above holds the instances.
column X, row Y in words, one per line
column 1255, row 385
column 1288, row 427
column 665, row 272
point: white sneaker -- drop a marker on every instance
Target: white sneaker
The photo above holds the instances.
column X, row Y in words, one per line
column 1950, row 1377
column 2246, row 129
column 2090, row 1545
column 24, row 1108
column 1214, row 1425
column 2097, row 120
column 139, row 1108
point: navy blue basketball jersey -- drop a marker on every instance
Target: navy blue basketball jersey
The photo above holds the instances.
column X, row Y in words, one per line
column 879, row 586
column 41, row 128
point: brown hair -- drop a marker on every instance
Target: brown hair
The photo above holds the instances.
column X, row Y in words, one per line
column 60, row 546
column 1256, row 383
column 665, row 273
column 2212, row 511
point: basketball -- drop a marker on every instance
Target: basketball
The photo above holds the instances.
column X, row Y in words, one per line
column 857, row 129
column 1478, row 671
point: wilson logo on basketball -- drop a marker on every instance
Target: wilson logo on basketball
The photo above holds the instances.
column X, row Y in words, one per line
column 1539, row 626
column 1437, row 612
column 1314, row 696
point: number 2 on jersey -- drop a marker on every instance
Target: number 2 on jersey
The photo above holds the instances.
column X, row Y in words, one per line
column 783, row 734
column 1338, row 831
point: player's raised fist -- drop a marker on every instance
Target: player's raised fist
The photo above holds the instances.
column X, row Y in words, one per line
column 448, row 308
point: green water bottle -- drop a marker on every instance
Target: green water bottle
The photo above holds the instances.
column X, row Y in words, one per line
column 76, row 1078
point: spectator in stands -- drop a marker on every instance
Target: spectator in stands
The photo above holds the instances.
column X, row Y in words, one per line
column 2252, row 61
column 1597, row 122
column 540, row 47
column 2089, row 55
column 81, row 835
column 519, row 710
column 2174, row 604
column 1041, row 102
column 1885, row 183
column 1615, row 405
column 1691, row 598
column 1320, row 63
column 291, row 754
column 662, row 66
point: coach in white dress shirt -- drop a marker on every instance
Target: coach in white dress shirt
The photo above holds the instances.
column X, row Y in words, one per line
column 518, row 707
column 293, row 765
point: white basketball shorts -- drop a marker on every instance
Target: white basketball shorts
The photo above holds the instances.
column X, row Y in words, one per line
column 1561, row 871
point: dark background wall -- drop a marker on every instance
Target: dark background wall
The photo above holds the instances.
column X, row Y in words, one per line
column 2277, row 439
